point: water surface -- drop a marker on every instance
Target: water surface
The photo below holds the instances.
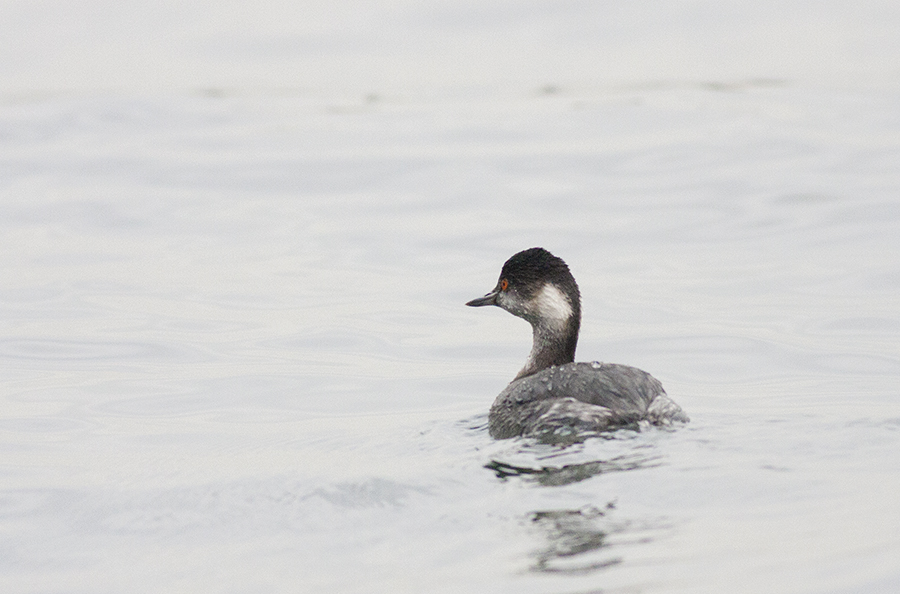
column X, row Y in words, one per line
column 235, row 355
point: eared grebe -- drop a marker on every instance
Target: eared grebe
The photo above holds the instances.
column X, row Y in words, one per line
column 551, row 395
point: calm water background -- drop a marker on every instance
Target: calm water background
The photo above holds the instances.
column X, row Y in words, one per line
column 236, row 241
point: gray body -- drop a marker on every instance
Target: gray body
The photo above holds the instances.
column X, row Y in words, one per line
column 581, row 397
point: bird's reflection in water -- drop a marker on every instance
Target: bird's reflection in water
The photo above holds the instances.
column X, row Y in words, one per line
column 554, row 476
column 576, row 540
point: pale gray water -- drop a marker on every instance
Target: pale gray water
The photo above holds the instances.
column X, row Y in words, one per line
column 234, row 355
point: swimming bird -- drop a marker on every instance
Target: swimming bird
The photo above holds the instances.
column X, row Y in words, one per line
column 552, row 395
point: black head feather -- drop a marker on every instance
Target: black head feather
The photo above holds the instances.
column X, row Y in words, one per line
column 528, row 270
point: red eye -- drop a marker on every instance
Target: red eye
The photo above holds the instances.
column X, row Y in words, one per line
column 504, row 284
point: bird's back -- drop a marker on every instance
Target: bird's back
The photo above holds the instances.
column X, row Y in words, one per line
column 581, row 396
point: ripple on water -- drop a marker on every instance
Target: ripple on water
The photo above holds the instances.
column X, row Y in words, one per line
column 81, row 350
column 41, row 425
column 246, row 506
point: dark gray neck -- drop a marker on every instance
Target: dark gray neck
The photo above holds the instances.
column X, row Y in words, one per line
column 554, row 343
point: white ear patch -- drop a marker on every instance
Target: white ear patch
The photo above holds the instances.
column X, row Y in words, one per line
column 552, row 305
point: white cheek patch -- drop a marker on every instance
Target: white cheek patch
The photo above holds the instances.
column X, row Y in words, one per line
column 552, row 305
